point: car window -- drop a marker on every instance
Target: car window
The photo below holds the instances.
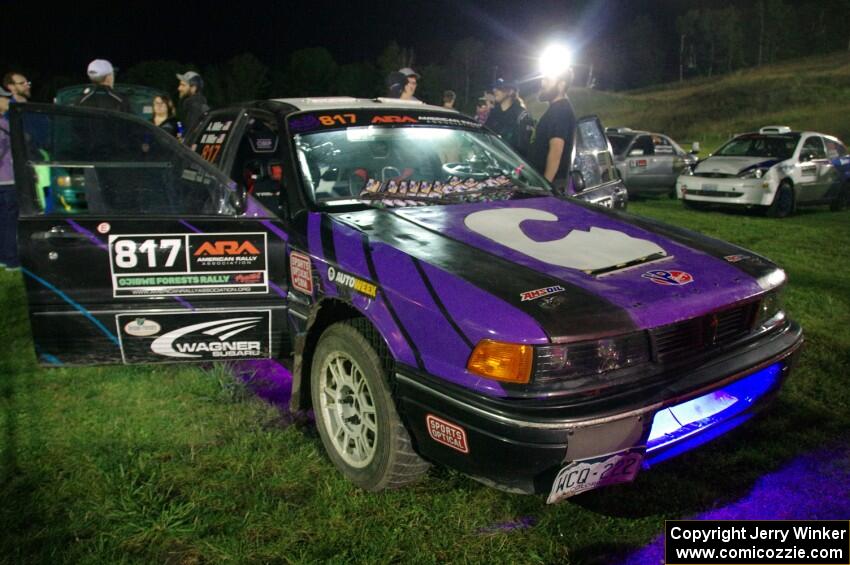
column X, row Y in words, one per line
column 780, row 147
column 813, row 146
column 619, row 142
column 93, row 162
column 644, row 143
column 593, row 158
column 213, row 135
column 343, row 164
column 661, row 145
column 257, row 165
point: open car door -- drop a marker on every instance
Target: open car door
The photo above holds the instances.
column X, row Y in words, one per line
column 136, row 250
column 594, row 161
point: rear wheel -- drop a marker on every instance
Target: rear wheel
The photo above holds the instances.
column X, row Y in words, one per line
column 355, row 413
column 842, row 200
column 783, row 202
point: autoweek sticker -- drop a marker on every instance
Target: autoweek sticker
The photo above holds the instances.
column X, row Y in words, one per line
column 669, row 278
column 346, row 280
column 188, row 264
column 157, row 337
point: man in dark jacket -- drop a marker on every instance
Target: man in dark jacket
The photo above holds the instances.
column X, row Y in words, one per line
column 552, row 150
column 194, row 102
column 100, row 93
column 509, row 118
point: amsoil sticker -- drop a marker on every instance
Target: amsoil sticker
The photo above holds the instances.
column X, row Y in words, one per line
column 669, row 278
column 735, row 258
column 301, row 272
column 188, row 264
column 540, row 292
column 346, row 280
column 194, row 336
column 447, row 433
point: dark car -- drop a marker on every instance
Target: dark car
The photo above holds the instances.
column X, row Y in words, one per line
column 649, row 163
column 433, row 299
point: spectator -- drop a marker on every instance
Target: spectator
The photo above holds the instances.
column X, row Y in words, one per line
column 482, row 110
column 194, row 103
column 509, row 117
column 18, row 85
column 552, row 150
column 8, row 195
column 100, row 95
column 165, row 115
column 411, row 79
column 449, row 97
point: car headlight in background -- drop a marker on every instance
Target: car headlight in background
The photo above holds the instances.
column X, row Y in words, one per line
column 754, row 173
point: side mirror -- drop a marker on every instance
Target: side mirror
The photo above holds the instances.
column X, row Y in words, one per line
column 635, row 152
column 577, row 180
column 238, row 199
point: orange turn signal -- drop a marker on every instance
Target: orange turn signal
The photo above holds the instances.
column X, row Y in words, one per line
column 509, row 362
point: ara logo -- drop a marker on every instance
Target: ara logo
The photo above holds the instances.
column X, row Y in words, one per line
column 228, row 247
column 211, row 340
column 393, row 120
column 669, row 278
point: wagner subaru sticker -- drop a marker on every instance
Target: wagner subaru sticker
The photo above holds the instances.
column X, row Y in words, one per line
column 346, row 280
column 669, row 278
column 540, row 292
column 196, row 336
column 188, row 264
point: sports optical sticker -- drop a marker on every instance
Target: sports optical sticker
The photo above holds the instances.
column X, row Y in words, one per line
column 151, row 337
column 188, row 264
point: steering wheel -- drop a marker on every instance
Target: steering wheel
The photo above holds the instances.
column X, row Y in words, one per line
column 464, row 170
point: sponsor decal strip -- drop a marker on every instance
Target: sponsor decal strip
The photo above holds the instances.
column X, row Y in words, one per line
column 76, row 305
column 436, row 298
column 373, row 274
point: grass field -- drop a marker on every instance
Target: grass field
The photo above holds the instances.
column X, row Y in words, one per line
column 174, row 464
column 807, row 94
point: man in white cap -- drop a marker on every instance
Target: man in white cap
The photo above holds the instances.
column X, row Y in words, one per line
column 194, row 103
column 100, row 93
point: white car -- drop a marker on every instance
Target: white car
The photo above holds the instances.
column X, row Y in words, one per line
column 776, row 168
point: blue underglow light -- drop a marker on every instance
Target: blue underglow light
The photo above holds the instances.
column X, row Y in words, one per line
column 683, row 427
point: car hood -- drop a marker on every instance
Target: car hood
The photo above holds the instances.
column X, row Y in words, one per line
column 733, row 165
column 579, row 272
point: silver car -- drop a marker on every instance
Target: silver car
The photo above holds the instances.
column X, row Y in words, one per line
column 649, row 163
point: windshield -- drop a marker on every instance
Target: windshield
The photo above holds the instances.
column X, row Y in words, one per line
column 779, row 147
column 411, row 165
column 619, row 142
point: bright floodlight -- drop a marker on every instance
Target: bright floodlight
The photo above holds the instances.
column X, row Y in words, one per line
column 555, row 60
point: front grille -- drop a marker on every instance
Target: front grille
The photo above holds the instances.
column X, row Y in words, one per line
column 715, row 175
column 715, row 193
column 694, row 336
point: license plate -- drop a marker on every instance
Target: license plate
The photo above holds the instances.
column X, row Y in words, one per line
column 605, row 202
column 586, row 474
column 709, row 187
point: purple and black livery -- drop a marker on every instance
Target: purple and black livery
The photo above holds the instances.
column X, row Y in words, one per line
column 650, row 321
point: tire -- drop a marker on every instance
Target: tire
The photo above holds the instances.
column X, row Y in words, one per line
column 842, row 201
column 783, row 202
column 355, row 412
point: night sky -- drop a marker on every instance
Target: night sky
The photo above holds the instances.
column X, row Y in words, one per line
column 42, row 40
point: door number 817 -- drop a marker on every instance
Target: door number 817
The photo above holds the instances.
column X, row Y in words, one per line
column 127, row 252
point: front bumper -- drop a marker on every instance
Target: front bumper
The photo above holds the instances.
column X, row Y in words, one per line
column 726, row 191
column 520, row 446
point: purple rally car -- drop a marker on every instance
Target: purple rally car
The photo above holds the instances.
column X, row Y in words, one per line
column 434, row 300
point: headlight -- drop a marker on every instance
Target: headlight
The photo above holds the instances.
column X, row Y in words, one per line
column 754, row 174
column 589, row 358
column 770, row 313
